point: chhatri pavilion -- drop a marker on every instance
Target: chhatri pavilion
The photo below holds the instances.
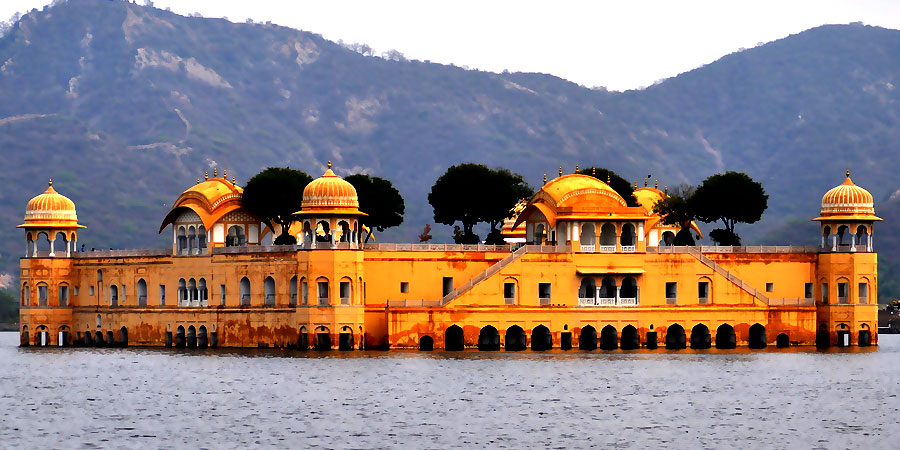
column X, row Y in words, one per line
column 582, row 269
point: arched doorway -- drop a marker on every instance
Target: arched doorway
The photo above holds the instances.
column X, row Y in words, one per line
column 23, row 338
column 489, row 339
column 757, row 338
column 323, row 339
column 123, row 337
column 303, row 339
column 608, row 291
column 345, row 339
column 782, row 341
column 515, row 340
column 587, row 339
column 823, row 338
column 192, row 337
column 426, row 343
column 541, row 339
column 628, row 238
column 700, row 337
column 88, row 338
column 269, row 288
column 180, row 337
column 202, row 338
column 630, row 338
column 98, row 339
column 42, row 336
column 865, row 336
column 586, row 291
column 110, row 339
column 725, row 337
column 454, row 341
column 609, row 338
column 587, row 239
column 675, row 337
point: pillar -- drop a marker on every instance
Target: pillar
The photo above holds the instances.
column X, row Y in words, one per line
column 52, row 243
column 852, row 242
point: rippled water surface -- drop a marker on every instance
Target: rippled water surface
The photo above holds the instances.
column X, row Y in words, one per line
column 162, row 398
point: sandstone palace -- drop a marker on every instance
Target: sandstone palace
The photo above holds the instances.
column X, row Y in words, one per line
column 581, row 270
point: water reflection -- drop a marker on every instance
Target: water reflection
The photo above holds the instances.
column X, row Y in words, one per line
column 139, row 397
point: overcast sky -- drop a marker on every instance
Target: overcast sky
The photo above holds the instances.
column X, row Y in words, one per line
column 619, row 45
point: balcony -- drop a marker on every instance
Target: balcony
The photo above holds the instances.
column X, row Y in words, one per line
column 588, row 248
column 607, row 249
column 607, row 302
column 629, row 249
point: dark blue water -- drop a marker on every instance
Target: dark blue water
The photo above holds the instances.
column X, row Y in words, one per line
column 155, row 398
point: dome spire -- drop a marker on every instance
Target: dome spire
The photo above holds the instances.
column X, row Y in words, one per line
column 50, row 182
column 329, row 163
column 545, row 178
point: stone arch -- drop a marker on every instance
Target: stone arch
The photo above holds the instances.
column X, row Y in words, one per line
column 608, row 235
column 202, row 337
column 192, row 240
column 62, row 293
column 142, row 292
column 864, row 338
column 608, row 290
column 26, row 294
column 269, row 288
column 541, row 339
column 630, row 338
column 202, row 292
column 587, row 288
column 64, row 336
column 123, row 337
column 510, row 291
column 700, row 338
column 98, row 339
column 292, row 288
column 182, row 292
column 42, row 336
column 42, row 244
column 515, row 339
column 675, row 337
column 538, row 237
column 181, row 242
column 192, row 290
column 201, row 239
column 757, row 337
column 345, row 339
column 323, row 231
column 587, row 236
column 323, row 291
column 23, row 337
column 346, row 235
column 668, row 239
column 323, row 338
column 609, row 338
column 303, row 339
column 43, row 292
column 488, row 339
column 426, row 343
column 843, row 233
column 587, row 339
column 782, row 340
column 60, row 244
column 245, row 291
column 345, row 288
column 191, row 337
column 629, row 237
column 113, row 295
column 725, row 337
column 180, row 337
column 454, row 339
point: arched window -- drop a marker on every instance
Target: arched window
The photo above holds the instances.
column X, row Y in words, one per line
column 113, row 295
column 608, row 291
column 345, row 231
column 26, row 294
column 307, row 233
column 201, row 239
column 628, row 295
column 587, row 239
column 245, row 292
column 304, row 291
column 236, row 236
column 323, row 232
column 192, row 291
column 538, row 237
column 668, row 238
column 346, row 291
column 269, row 287
column 510, row 287
column 628, row 239
column 293, row 290
column 192, row 240
column 99, row 276
column 63, row 294
column 704, row 290
column 43, row 244
column 30, row 246
column 181, row 243
column 60, row 244
column 586, row 291
column 203, row 292
column 863, row 291
column 862, row 239
column 42, row 294
column 142, row 292
column 182, row 293
column 322, row 291
column 608, row 238
column 843, row 291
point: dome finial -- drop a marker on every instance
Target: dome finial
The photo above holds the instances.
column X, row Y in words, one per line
column 50, row 182
column 206, row 175
column 329, row 163
column 233, row 180
column 560, row 170
column 216, row 172
column 545, row 178
column 667, row 190
column 594, row 172
column 576, row 168
column 848, row 173
column 656, row 184
column 198, row 180
column 225, row 174
column 608, row 178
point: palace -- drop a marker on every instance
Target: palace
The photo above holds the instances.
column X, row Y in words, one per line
column 582, row 270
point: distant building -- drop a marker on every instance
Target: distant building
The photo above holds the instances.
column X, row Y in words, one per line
column 586, row 271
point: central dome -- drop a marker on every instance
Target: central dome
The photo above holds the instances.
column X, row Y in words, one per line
column 847, row 201
column 329, row 194
column 50, row 209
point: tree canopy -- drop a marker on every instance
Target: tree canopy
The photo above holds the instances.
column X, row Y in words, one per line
column 619, row 184
column 730, row 197
column 676, row 209
column 379, row 199
column 274, row 195
column 473, row 193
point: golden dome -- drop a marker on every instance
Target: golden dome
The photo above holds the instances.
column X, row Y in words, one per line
column 210, row 199
column 647, row 197
column 50, row 209
column 847, row 201
column 579, row 197
column 329, row 194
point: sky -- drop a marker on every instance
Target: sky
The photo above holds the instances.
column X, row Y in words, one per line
column 618, row 45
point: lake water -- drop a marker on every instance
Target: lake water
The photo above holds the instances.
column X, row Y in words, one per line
column 166, row 398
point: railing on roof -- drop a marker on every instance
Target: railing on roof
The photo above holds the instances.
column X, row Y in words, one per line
column 414, row 303
column 440, row 247
column 122, row 253
column 735, row 249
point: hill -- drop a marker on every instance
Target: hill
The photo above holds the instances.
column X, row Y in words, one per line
column 126, row 105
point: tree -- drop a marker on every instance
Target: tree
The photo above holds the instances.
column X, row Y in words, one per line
column 274, row 195
column 473, row 193
column 676, row 209
column 730, row 197
column 619, row 184
column 379, row 199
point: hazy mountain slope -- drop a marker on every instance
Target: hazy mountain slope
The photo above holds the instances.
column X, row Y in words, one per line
column 126, row 106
